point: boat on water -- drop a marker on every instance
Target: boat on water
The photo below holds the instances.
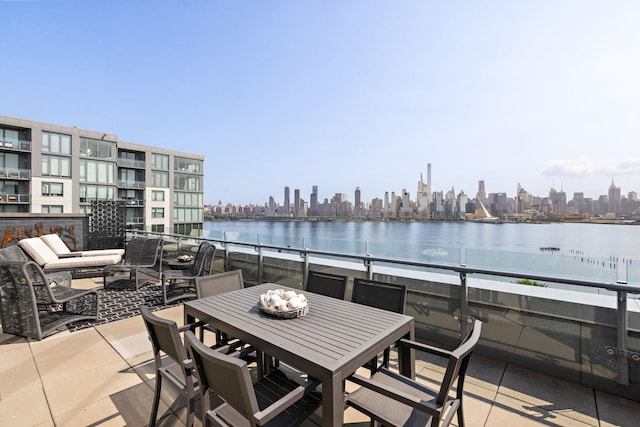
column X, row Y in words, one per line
column 549, row 248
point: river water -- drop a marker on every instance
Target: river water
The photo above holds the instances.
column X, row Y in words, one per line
column 585, row 251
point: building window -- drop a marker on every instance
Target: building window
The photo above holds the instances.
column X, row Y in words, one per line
column 157, row 212
column 96, row 171
column 187, row 182
column 52, row 189
column 183, row 164
column 188, row 199
column 56, row 166
column 97, row 148
column 188, row 215
column 9, row 135
column 160, row 179
column 89, row 193
column 58, row 143
column 157, row 196
column 53, row 209
column 160, row 161
column 157, row 228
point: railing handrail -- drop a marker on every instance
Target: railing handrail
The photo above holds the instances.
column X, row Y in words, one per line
column 459, row 269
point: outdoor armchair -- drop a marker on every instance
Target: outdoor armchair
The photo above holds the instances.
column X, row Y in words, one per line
column 35, row 306
column 141, row 264
column 274, row 400
column 394, row 400
column 180, row 284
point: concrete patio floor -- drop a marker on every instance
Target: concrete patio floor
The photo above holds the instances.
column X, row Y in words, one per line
column 103, row 376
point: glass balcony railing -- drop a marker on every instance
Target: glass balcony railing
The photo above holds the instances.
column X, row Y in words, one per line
column 577, row 319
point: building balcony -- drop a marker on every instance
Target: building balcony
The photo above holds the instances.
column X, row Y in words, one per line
column 544, row 357
column 12, row 173
column 138, row 185
column 8, row 198
column 20, row 145
column 131, row 163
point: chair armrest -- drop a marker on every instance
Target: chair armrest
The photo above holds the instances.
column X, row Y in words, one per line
column 191, row 326
column 398, row 395
column 279, row 405
column 425, row 348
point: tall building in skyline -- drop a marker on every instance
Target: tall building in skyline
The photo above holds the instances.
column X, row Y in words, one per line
column 313, row 202
column 286, row 201
column 614, row 199
column 296, row 203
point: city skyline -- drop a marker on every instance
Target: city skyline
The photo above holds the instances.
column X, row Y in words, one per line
column 350, row 196
column 343, row 94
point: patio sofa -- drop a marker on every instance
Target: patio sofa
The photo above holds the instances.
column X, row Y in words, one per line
column 79, row 266
column 57, row 245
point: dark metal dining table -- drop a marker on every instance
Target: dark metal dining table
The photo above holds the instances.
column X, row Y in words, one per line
column 330, row 343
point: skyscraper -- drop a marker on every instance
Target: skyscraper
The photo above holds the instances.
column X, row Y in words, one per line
column 614, row 199
column 286, row 201
column 313, row 201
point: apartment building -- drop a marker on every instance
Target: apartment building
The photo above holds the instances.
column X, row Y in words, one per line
column 47, row 168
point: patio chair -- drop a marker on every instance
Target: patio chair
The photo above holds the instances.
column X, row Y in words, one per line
column 215, row 284
column 331, row 285
column 164, row 335
column 35, row 306
column 15, row 253
column 180, row 284
column 391, row 399
column 274, row 400
column 386, row 296
column 142, row 257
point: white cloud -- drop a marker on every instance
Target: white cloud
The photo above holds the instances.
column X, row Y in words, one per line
column 585, row 167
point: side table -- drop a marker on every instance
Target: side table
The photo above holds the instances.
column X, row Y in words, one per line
column 179, row 265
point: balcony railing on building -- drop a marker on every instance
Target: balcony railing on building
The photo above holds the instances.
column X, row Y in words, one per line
column 131, row 184
column 13, row 173
column 8, row 198
column 16, row 145
column 131, row 163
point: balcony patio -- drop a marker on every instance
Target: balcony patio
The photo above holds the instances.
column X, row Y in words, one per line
column 102, row 374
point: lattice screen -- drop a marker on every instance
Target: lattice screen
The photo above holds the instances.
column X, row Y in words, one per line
column 107, row 225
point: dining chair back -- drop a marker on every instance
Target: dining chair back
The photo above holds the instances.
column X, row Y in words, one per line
column 386, row 296
column 164, row 335
column 331, row 285
column 218, row 283
column 274, row 400
column 392, row 399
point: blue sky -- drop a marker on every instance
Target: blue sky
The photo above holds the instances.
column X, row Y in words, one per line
column 343, row 94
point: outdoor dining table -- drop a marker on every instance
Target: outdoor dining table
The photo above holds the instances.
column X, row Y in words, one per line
column 330, row 343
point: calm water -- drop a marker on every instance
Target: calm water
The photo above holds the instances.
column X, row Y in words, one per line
column 587, row 251
column 597, row 240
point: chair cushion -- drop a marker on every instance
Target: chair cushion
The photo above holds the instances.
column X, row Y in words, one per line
column 58, row 246
column 55, row 243
column 38, row 250
column 82, row 262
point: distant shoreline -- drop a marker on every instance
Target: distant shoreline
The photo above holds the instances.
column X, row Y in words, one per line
column 328, row 219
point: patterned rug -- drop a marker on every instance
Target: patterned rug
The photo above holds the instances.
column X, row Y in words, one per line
column 118, row 304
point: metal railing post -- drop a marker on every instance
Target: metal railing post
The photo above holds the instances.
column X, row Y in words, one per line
column 464, row 304
column 260, row 260
column 622, row 322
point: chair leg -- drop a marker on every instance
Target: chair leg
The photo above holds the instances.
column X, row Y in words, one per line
column 191, row 408
column 156, row 400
